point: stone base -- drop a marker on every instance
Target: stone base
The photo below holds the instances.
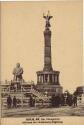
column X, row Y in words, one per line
column 49, row 89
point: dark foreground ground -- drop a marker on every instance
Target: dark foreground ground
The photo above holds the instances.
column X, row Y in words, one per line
column 44, row 112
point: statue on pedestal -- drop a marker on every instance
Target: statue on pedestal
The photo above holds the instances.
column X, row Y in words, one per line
column 17, row 72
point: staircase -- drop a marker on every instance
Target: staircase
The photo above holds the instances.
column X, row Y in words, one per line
column 40, row 95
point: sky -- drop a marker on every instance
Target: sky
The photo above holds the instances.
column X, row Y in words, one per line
column 22, row 40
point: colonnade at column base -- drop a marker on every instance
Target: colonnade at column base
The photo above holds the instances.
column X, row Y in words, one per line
column 48, row 77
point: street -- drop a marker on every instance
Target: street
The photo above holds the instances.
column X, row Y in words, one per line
column 43, row 112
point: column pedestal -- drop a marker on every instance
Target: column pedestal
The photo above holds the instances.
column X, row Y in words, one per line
column 49, row 82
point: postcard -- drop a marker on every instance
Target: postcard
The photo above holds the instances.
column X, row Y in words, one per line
column 42, row 63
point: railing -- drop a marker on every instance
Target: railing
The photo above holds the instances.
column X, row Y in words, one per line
column 39, row 95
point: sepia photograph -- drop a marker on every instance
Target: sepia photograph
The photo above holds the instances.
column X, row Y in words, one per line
column 42, row 59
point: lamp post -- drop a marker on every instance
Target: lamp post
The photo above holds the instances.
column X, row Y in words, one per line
column 65, row 97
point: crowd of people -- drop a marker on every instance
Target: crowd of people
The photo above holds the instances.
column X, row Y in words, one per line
column 70, row 100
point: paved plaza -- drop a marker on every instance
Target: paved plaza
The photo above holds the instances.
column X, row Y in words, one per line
column 43, row 112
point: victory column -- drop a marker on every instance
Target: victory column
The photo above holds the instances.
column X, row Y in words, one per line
column 48, row 79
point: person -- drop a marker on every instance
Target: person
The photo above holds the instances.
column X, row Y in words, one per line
column 31, row 101
column 69, row 100
column 14, row 102
column 75, row 100
column 62, row 100
column 53, row 100
column 57, row 101
column 9, row 101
